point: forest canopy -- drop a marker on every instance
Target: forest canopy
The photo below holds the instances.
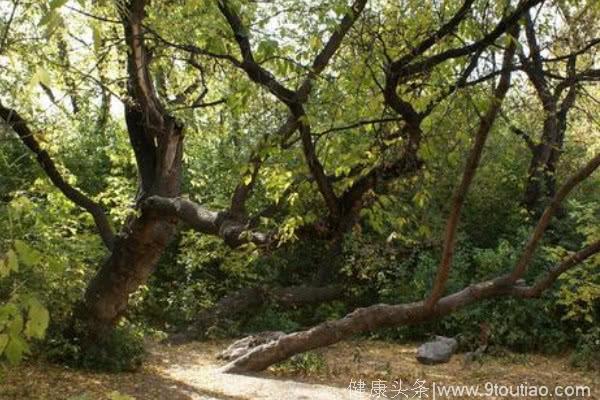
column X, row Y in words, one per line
column 207, row 168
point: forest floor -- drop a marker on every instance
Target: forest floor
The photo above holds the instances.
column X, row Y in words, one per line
column 189, row 372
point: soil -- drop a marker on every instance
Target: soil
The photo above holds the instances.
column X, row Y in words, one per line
column 190, row 372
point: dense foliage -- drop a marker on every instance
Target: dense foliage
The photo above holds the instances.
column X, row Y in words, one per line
column 62, row 65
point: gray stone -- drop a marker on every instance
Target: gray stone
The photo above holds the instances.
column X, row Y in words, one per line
column 437, row 351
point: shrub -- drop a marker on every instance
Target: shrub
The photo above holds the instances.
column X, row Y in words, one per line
column 121, row 350
column 587, row 350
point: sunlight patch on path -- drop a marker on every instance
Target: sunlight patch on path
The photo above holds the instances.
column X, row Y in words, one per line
column 198, row 371
column 208, row 379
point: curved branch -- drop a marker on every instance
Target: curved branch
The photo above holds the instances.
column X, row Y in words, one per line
column 502, row 26
column 295, row 99
column 255, row 71
column 332, row 46
column 438, row 35
column 19, row 125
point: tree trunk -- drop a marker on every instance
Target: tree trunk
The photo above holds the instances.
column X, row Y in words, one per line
column 535, row 180
column 361, row 320
column 540, row 178
column 133, row 259
column 157, row 141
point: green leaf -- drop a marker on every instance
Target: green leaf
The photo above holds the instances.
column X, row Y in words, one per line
column 11, row 261
column 3, row 342
column 43, row 76
column 16, row 325
column 7, row 311
column 54, row 4
column 37, row 320
column 15, row 349
column 47, row 18
column 28, row 255
column 97, row 36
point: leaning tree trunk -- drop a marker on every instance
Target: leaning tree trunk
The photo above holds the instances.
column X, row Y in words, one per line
column 384, row 316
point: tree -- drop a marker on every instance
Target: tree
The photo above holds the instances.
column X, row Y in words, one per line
column 556, row 103
column 435, row 59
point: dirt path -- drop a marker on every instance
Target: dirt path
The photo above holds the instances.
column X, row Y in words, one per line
column 195, row 365
column 189, row 372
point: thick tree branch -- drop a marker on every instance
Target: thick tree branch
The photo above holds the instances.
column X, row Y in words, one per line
column 255, row 71
column 155, row 135
column 314, row 165
column 19, row 125
column 535, row 68
column 460, row 193
column 437, row 36
column 331, row 47
column 582, row 50
column 401, row 69
column 383, row 316
column 230, row 228
column 487, row 40
column 295, row 99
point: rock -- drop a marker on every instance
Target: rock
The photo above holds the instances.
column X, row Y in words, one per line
column 475, row 355
column 243, row 346
column 437, row 351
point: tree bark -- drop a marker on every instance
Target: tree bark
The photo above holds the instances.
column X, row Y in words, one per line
column 133, row 259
